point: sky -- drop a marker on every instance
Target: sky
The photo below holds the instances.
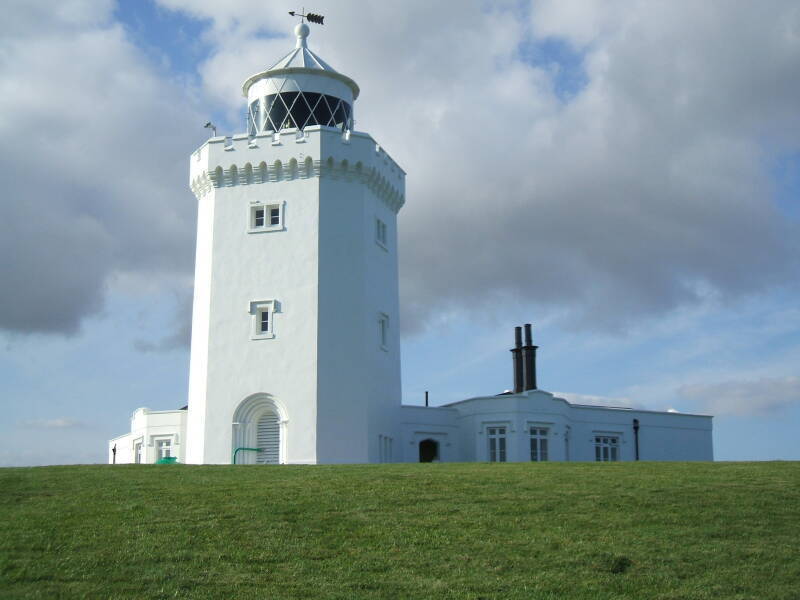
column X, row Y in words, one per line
column 625, row 175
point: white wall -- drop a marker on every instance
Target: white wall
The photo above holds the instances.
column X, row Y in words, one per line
column 324, row 367
column 148, row 426
column 572, row 429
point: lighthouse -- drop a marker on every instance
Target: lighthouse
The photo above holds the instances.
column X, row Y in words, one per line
column 295, row 353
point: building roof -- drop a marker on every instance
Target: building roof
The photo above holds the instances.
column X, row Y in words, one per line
column 302, row 60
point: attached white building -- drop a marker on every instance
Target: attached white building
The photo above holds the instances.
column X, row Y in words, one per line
column 295, row 354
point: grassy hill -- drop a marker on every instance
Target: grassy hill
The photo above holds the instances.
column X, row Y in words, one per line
column 625, row 530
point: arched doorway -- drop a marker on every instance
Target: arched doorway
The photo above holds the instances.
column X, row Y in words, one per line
column 428, row 451
column 259, row 425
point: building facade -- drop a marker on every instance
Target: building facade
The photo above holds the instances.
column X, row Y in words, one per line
column 295, row 352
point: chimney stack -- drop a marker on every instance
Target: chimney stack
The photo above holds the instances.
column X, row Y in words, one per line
column 528, row 360
column 516, row 354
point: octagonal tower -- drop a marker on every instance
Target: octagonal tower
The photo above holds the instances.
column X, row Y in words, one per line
column 295, row 354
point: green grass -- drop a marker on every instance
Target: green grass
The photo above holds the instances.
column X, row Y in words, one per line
column 625, row 530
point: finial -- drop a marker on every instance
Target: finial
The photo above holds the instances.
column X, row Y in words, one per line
column 301, row 30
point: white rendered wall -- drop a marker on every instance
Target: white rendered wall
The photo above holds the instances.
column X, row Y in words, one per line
column 148, row 426
column 421, row 423
column 572, row 428
column 324, row 368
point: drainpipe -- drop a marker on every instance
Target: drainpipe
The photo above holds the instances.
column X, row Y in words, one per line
column 516, row 355
column 426, row 397
column 636, row 436
column 529, row 360
column 235, row 452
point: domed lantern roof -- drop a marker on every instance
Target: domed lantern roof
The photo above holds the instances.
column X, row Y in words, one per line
column 299, row 90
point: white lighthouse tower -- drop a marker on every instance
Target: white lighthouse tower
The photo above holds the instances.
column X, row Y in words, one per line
column 295, row 354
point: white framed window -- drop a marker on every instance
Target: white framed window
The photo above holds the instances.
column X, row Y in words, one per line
column 383, row 331
column 496, row 437
column 138, row 456
column 606, row 448
column 263, row 319
column 265, row 217
column 539, row 443
column 385, row 443
column 163, row 448
column 381, row 236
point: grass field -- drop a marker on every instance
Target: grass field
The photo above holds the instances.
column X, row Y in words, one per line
column 625, row 530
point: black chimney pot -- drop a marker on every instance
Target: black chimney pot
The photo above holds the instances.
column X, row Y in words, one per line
column 516, row 355
column 529, row 361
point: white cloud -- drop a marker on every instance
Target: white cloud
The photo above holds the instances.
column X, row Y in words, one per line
column 648, row 191
column 95, row 164
column 58, row 423
column 591, row 400
column 767, row 395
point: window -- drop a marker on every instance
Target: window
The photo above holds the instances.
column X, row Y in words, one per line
column 497, row 443
column 606, row 448
column 137, row 453
column 385, row 448
column 263, row 316
column 383, row 331
column 538, row 444
column 380, row 233
column 163, row 448
column 266, row 217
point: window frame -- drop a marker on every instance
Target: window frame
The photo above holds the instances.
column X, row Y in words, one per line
column 607, row 446
column 267, row 217
column 383, row 331
column 500, row 452
column 257, row 310
column 381, row 233
column 539, row 441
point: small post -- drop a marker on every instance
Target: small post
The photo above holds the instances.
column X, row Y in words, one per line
column 426, row 397
column 636, row 436
column 114, row 455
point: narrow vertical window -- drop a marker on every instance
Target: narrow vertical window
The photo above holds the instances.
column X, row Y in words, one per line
column 380, row 232
column 259, row 218
column 264, row 321
column 383, row 331
column 538, row 444
column 274, row 215
column 497, row 444
column 137, row 453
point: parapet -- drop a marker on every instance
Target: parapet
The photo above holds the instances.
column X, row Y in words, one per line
column 317, row 151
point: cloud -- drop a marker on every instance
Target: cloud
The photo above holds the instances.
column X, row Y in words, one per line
column 620, row 402
column 768, row 395
column 58, row 423
column 95, row 165
column 645, row 191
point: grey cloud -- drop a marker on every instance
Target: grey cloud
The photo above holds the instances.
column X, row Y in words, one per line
column 94, row 166
column 763, row 396
column 647, row 191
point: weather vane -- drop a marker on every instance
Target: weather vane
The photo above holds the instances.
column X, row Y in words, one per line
column 312, row 18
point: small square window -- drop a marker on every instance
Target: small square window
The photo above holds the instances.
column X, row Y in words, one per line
column 380, row 233
column 266, row 218
column 263, row 319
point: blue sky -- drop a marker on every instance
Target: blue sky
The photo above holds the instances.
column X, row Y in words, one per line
column 602, row 170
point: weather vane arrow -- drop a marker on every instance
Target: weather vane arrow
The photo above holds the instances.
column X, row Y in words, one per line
column 312, row 17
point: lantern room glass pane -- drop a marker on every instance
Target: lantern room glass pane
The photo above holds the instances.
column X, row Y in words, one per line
column 300, row 109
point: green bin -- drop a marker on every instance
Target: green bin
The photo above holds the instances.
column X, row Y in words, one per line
column 167, row 460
